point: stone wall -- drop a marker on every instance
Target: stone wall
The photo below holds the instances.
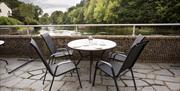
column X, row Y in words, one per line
column 159, row 49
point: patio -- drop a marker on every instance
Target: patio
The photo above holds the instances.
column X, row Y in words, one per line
column 149, row 77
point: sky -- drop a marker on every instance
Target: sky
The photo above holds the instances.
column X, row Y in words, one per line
column 49, row 6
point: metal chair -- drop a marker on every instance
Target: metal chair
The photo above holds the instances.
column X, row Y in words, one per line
column 59, row 52
column 55, row 69
column 138, row 39
column 116, row 69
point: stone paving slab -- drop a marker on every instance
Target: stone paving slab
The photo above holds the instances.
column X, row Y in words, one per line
column 148, row 76
column 38, row 86
column 148, row 89
column 25, row 83
column 56, row 85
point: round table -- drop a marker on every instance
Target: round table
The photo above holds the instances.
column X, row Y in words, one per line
column 1, row 43
column 91, row 46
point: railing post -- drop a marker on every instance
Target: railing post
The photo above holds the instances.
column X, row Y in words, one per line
column 27, row 30
column 134, row 30
column 76, row 28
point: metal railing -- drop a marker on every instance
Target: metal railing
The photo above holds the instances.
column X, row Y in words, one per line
column 95, row 25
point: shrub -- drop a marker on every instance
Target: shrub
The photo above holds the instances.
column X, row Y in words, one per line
column 9, row 21
column 30, row 21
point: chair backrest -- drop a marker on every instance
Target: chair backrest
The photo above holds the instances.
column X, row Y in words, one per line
column 36, row 48
column 49, row 42
column 138, row 39
column 133, row 56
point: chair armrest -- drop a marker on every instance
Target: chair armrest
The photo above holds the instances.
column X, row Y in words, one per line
column 119, row 54
column 65, row 62
column 52, row 55
column 113, row 54
column 107, row 63
column 119, row 57
column 61, row 63
column 64, row 49
column 61, row 49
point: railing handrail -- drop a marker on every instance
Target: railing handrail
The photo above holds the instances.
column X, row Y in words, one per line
column 83, row 25
column 59, row 25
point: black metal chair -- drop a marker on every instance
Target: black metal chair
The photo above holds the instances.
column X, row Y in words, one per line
column 55, row 53
column 55, row 69
column 116, row 69
column 138, row 39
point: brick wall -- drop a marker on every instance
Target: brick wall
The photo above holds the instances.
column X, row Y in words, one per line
column 159, row 49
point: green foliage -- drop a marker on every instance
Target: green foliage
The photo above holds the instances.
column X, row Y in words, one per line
column 76, row 15
column 9, row 21
column 22, row 11
column 29, row 21
column 111, row 12
column 126, row 11
column 57, row 17
column 99, row 10
column 102, row 11
column 89, row 11
column 44, row 19
column 25, row 11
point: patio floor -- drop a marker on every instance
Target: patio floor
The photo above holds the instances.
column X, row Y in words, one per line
column 149, row 77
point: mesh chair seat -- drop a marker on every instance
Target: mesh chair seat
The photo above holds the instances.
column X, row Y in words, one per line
column 62, row 68
column 105, row 68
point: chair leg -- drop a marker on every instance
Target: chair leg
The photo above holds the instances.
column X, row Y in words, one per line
column 78, row 77
column 133, row 79
column 51, row 84
column 44, row 76
column 94, row 76
column 78, row 61
column 81, row 56
column 4, row 61
column 71, row 73
column 54, row 61
column 117, row 89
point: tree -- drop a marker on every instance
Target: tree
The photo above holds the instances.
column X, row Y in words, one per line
column 38, row 12
column 99, row 10
column 76, row 15
column 44, row 19
column 111, row 11
column 128, row 11
column 28, row 13
column 57, row 17
column 89, row 11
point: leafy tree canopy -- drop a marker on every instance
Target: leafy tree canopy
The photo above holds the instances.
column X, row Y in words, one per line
column 56, row 17
column 125, row 11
